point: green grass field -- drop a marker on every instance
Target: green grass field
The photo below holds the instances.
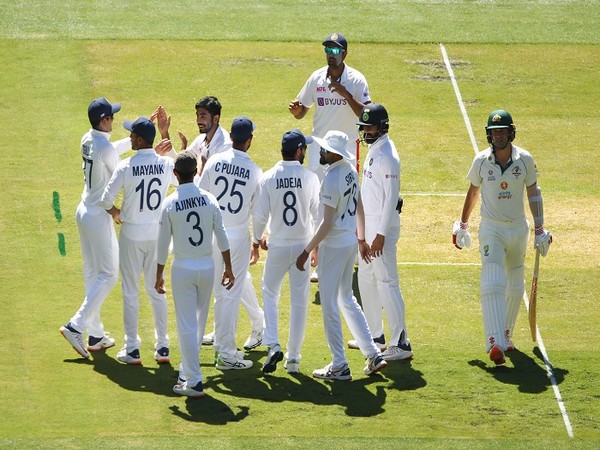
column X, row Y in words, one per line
column 539, row 60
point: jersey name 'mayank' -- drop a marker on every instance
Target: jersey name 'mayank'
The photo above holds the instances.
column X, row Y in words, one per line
column 148, row 169
column 287, row 183
column 189, row 203
column 232, row 169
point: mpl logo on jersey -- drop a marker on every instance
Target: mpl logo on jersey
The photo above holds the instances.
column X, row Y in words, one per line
column 321, row 89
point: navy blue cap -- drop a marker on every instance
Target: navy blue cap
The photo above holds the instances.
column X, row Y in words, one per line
column 100, row 108
column 294, row 139
column 241, row 129
column 336, row 39
column 143, row 127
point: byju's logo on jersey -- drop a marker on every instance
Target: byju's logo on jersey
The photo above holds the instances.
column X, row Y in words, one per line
column 324, row 101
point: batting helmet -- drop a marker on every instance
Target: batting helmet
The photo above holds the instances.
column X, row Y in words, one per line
column 500, row 119
column 373, row 114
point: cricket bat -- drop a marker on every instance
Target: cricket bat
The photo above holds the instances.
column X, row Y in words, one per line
column 533, row 296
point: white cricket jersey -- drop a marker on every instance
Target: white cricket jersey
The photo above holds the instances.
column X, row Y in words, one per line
column 233, row 178
column 339, row 189
column 144, row 178
column 191, row 216
column 219, row 143
column 289, row 194
column 380, row 187
column 502, row 193
column 100, row 159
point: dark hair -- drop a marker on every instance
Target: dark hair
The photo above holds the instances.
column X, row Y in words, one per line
column 211, row 104
column 288, row 153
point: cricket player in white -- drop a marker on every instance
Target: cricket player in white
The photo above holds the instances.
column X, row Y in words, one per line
column 336, row 237
column 378, row 280
column 97, row 235
column 144, row 179
column 214, row 139
column 289, row 196
column 191, row 216
column 234, row 179
column 338, row 92
column 502, row 173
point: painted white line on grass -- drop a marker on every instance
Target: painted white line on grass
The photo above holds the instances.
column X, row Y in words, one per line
column 550, row 370
column 461, row 104
column 557, row 394
column 432, row 194
column 419, row 263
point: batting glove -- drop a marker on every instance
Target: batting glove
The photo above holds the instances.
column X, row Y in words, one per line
column 460, row 235
column 543, row 239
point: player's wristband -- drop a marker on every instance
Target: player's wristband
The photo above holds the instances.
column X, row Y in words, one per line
column 464, row 225
column 539, row 231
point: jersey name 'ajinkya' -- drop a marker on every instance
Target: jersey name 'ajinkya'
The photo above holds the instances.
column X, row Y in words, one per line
column 290, row 182
column 232, row 169
column 189, row 203
column 148, row 169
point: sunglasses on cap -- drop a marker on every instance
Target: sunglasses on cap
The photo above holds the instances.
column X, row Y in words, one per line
column 324, row 151
column 333, row 50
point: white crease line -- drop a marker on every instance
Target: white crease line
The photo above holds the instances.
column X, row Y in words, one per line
column 550, row 371
column 541, row 346
column 461, row 104
column 432, row 194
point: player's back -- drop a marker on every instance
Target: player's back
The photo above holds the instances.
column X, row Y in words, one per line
column 233, row 178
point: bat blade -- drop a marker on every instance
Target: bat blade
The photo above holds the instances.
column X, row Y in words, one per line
column 533, row 297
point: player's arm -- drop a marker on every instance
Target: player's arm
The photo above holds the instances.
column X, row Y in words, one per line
column 323, row 230
column 163, row 121
column 354, row 103
column 543, row 238
column 363, row 247
column 460, row 230
column 110, row 193
column 159, row 285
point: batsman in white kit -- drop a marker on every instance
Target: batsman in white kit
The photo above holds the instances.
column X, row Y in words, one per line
column 378, row 279
column 502, row 173
column 233, row 178
column 289, row 196
column 337, row 240
column 99, row 247
column 191, row 217
column 144, row 179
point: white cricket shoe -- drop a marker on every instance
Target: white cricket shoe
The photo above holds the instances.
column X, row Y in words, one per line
column 314, row 278
column 133, row 357
column 395, row 353
column 232, row 364
column 189, row 391
column 333, row 373
column 254, row 340
column 375, row 364
column 379, row 342
column 208, row 339
column 162, row 355
column 292, row 365
column 74, row 338
column 100, row 343
column 275, row 355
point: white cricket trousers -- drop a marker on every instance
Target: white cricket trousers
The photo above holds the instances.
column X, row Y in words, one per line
column 227, row 302
column 336, row 267
column 379, row 286
column 282, row 260
column 502, row 247
column 136, row 257
column 100, row 252
column 192, row 283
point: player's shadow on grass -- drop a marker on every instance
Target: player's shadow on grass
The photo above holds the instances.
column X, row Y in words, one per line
column 210, row 411
column 404, row 377
column 158, row 380
column 527, row 374
column 353, row 395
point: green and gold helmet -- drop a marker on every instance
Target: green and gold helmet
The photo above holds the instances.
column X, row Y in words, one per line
column 500, row 119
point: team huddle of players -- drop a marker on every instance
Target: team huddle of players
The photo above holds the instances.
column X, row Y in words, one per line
column 224, row 209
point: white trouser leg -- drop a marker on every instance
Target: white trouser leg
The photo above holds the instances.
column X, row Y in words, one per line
column 515, row 279
column 299, row 291
column 250, row 302
column 100, row 256
column 158, row 301
column 131, row 260
column 273, row 275
column 370, row 300
column 192, row 284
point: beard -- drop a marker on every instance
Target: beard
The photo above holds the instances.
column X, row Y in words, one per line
column 322, row 161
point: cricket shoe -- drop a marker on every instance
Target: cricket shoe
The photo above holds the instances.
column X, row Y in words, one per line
column 314, row 278
column 208, row 339
column 497, row 355
column 236, row 363
column 189, row 391
column 398, row 352
column 379, row 342
column 375, row 364
column 100, row 343
column 254, row 340
column 333, row 373
column 75, row 339
column 162, row 355
column 180, row 380
column 275, row 355
column 292, row 365
column 133, row 357
column 509, row 345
